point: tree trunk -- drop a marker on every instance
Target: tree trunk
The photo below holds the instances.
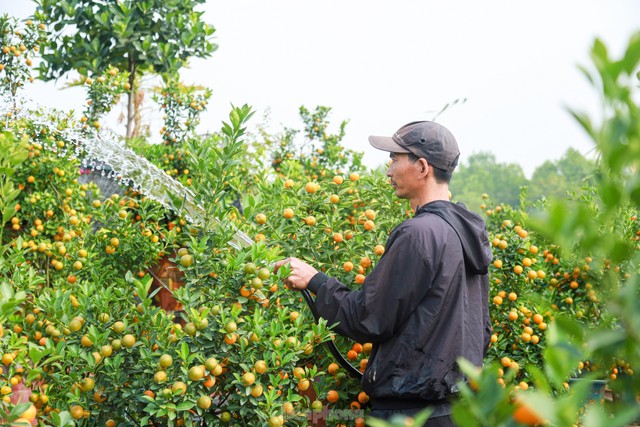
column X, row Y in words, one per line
column 137, row 116
column 131, row 99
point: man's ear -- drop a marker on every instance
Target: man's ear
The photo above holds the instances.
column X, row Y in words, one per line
column 423, row 166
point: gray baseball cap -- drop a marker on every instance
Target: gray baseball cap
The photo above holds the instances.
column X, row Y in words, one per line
column 429, row 140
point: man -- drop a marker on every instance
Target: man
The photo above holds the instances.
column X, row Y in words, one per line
column 425, row 304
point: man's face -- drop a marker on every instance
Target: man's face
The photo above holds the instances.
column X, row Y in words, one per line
column 403, row 175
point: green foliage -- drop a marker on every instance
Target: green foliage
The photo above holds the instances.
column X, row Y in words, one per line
column 557, row 179
column 486, row 402
column 182, row 106
column 221, row 162
column 93, row 255
column 80, row 275
column 137, row 37
column 318, row 150
column 481, row 174
column 401, row 421
column 103, row 93
column 19, row 44
column 149, row 35
column 11, row 156
column 596, row 332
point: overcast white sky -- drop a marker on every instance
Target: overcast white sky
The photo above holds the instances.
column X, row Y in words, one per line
column 381, row 64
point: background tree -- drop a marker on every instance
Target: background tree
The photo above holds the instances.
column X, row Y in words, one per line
column 136, row 36
column 547, row 182
column 553, row 179
column 576, row 167
column 20, row 44
column 482, row 174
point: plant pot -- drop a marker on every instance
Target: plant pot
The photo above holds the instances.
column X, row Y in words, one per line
column 167, row 277
column 315, row 419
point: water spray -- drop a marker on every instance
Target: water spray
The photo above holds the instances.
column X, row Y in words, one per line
column 104, row 153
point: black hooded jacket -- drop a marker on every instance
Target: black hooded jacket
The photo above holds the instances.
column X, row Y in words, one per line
column 424, row 305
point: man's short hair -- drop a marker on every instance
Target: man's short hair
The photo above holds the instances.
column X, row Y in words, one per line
column 442, row 176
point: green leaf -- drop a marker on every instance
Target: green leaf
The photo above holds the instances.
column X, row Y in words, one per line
column 621, row 250
column 464, row 417
column 569, row 327
column 10, row 300
column 377, row 422
column 184, row 351
column 62, row 419
column 634, row 192
column 185, row 406
column 610, row 193
column 555, row 369
column 632, row 55
column 585, row 121
column 421, row 417
column 36, row 354
column 605, row 338
column 19, row 408
column 539, row 378
column 8, row 211
column 561, row 355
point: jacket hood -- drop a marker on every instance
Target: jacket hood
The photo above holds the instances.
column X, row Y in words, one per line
column 471, row 229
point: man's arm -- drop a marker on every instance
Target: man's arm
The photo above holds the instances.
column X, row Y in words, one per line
column 390, row 293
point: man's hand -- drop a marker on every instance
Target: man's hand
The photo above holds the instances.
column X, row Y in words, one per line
column 301, row 273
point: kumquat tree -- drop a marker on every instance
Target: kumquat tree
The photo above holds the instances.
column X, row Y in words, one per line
column 137, row 283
